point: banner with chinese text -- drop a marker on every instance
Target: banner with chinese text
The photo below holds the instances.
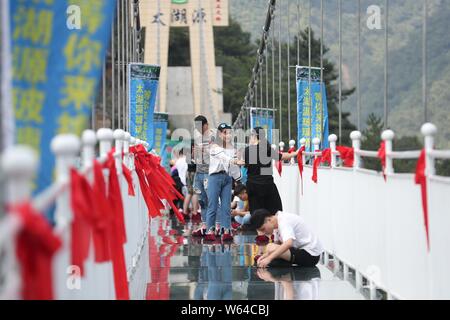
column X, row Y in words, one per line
column 58, row 49
column 160, row 123
column 262, row 118
column 312, row 110
column 143, row 80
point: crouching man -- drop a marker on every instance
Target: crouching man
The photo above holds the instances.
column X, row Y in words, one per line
column 297, row 244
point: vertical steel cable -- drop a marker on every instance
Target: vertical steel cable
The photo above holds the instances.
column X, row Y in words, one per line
column 113, row 75
column 273, row 51
column 424, row 61
column 358, row 66
column 280, row 75
column 386, row 61
column 288, row 67
column 127, row 60
column 309, row 74
column 340, row 69
column 267, row 80
column 298, row 33
column 321, row 65
column 124, row 88
column 119, row 77
column 104, row 92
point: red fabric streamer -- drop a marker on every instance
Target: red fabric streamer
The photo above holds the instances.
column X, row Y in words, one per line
column 300, row 160
column 82, row 204
column 317, row 161
column 421, row 180
column 347, row 155
column 279, row 165
column 117, row 231
column 291, row 150
column 36, row 245
column 152, row 176
column 382, row 157
column 326, row 156
column 129, row 179
column 102, row 216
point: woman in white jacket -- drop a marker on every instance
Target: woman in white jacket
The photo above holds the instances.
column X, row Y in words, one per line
column 222, row 164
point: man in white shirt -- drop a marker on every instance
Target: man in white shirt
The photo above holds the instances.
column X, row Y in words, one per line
column 298, row 245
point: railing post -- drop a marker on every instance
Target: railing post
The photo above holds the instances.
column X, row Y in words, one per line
column 332, row 139
column 131, row 155
column 89, row 141
column 281, row 145
column 119, row 136
column 316, row 144
column 105, row 137
column 19, row 164
column 388, row 137
column 303, row 144
column 356, row 144
column 126, row 148
column 428, row 131
column 65, row 147
column 292, row 145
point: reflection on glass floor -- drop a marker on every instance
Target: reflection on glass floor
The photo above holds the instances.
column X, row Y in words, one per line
column 183, row 268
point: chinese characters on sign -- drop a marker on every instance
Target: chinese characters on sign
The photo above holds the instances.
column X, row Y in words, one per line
column 55, row 71
column 143, row 90
column 312, row 110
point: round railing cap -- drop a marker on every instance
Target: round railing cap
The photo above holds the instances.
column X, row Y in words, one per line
column 89, row 137
column 316, row 141
column 19, row 160
column 428, row 129
column 355, row 135
column 65, row 144
column 388, row 135
column 105, row 134
column 332, row 138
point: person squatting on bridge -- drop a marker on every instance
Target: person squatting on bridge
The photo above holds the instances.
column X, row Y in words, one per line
column 295, row 244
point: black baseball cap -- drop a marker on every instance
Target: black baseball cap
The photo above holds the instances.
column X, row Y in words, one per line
column 223, row 126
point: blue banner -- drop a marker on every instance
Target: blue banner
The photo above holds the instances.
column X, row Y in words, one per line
column 262, row 118
column 58, row 49
column 143, row 80
column 312, row 110
column 160, row 124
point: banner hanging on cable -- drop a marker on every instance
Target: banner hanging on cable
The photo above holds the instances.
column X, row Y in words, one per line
column 56, row 70
column 262, row 118
column 143, row 83
column 160, row 124
column 312, row 109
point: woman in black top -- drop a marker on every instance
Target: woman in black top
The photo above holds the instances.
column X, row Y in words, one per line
column 261, row 189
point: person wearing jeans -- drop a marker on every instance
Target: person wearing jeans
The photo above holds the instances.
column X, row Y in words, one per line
column 222, row 163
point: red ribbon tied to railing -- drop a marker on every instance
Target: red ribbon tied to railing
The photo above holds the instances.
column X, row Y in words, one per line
column 421, row 179
column 382, row 157
column 36, row 244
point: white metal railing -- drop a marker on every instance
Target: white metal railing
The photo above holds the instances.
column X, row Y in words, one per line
column 20, row 165
column 376, row 227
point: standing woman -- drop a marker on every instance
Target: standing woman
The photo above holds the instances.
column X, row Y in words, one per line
column 222, row 163
column 261, row 189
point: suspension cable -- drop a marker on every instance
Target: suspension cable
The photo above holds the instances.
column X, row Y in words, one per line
column 288, row 68
column 113, row 75
column 386, row 62
column 424, row 61
column 358, row 66
column 119, row 77
column 309, row 75
column 321, row 65
column 340, row 69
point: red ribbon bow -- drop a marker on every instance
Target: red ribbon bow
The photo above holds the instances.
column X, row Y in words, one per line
column 36, row 245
